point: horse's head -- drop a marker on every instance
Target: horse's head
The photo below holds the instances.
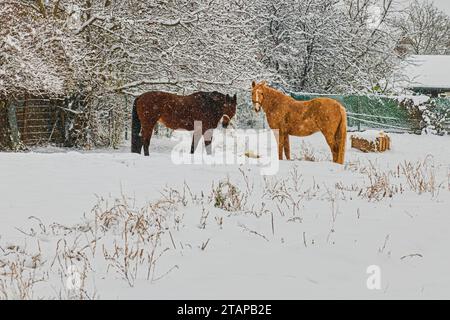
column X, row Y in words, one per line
column 229, row 110
column 257, row 95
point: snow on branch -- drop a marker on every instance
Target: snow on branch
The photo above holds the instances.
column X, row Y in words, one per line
column 169, row 82
column 87, row 24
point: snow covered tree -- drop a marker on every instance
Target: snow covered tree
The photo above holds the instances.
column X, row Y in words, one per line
column 33, row 55
column 180, row 46
column 36, row 55
column 425, row 29
column 329, row 45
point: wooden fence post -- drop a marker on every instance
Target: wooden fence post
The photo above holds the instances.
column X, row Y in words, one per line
column 127, row 123
column 358, row 123
column 13, row 126
column 4, row 141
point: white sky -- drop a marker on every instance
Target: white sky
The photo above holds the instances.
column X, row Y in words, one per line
column 444, row 5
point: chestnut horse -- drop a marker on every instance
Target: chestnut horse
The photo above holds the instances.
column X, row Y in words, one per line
column 180, row 112
column 302, row 118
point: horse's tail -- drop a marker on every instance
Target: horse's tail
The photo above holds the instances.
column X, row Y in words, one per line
column 136, row 139
column 341, row 136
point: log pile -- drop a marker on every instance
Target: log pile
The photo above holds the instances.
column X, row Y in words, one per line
column 371, row 141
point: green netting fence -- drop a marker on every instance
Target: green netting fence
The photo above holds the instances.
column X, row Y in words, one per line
column 382, row 112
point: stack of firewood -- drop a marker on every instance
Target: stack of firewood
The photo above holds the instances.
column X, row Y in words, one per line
column 371, row 141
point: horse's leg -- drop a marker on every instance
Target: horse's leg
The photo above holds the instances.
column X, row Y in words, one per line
column 146, row 136
column 332, row 143
column 197, row 135
column 287, row 147
column 207, row 136
column 280, row 141
column 195, row 141
column 147, row 131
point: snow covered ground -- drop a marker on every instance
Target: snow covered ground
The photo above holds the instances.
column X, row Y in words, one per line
column 110, row 224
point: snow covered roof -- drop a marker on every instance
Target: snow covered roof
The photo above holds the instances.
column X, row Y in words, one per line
column 428, row 72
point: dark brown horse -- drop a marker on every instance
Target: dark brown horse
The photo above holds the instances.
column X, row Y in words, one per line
column 200, row 111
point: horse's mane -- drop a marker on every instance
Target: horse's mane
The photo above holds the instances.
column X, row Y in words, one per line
column 217, row 94
column 276, row 90
column 214, row 99
column 278, row 87
column 208, row 93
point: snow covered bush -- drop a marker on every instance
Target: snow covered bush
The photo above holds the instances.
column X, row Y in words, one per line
column 430, row 115
column 227, row 196
column 434, row 118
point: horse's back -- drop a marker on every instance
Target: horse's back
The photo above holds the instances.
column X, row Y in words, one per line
column 325, row 102
column 156, row 97
column 324, row 105
column 178, row 111
column 161, row 106
column 326, row 112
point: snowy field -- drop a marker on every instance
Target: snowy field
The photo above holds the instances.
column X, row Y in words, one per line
column 110, row 224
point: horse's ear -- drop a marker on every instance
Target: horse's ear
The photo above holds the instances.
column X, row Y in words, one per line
column 234, row 98
column 253, row 83
column 264, row 82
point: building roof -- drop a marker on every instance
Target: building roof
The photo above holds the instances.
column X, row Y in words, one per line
column 428, row 72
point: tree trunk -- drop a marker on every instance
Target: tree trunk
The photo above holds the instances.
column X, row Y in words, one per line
column 13, row 127
column 42, row 10
column 4, row 140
